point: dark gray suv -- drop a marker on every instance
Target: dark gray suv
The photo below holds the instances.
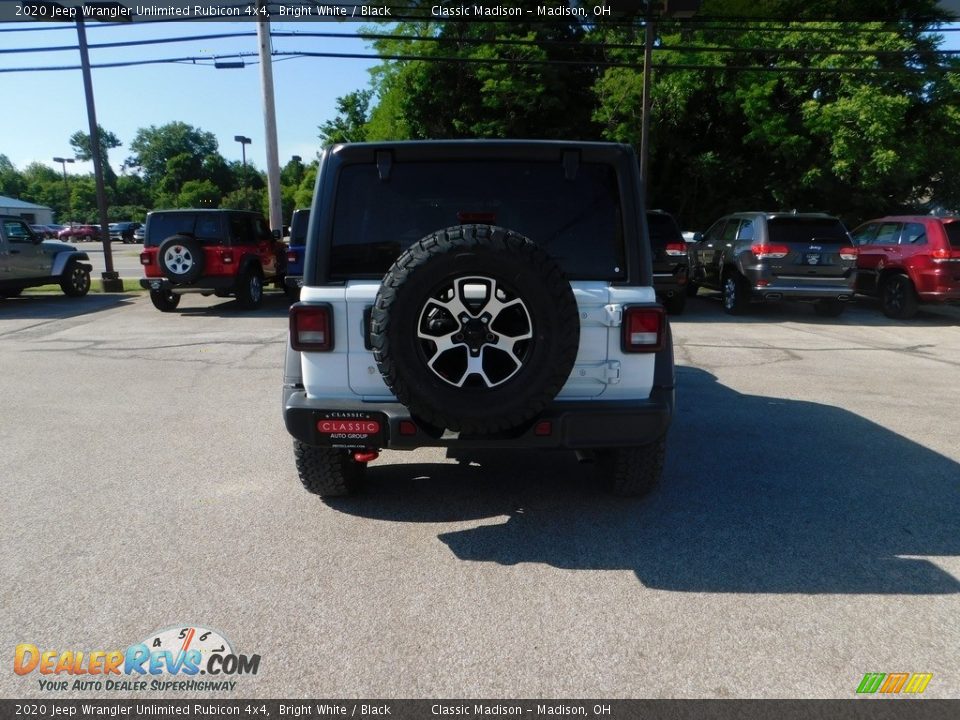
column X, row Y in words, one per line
column 758, row 256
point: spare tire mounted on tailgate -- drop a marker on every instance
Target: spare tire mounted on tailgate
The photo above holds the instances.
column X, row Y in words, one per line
column 475, row 329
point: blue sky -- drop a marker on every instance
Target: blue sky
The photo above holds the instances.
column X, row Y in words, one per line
column 224, row 102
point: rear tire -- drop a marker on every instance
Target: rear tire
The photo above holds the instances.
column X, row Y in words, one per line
column 898, row 297
column 328, row 472
column 631, row 471
column 692, row 288
column 829, row 308
column 250, row 288
column 164, row 300
column 11, row 293
column 736, row 294
column 675, row 305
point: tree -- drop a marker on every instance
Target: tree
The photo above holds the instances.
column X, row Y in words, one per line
column 80, row 142
column 153, row 146
column 245, row 199
column 11, row 181
column 199, row 194
column 809, row 138
column 350, row 123
column 514, row 91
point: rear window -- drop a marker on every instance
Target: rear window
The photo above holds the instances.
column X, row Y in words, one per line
column 578, row 221
column 805, row 230
column 203, row 226
column 298, row 227
column 663, row 229
column 953, row 232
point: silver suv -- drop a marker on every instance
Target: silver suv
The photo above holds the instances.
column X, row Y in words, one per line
column 757, row 256
column 478, row 294
column 27, row 260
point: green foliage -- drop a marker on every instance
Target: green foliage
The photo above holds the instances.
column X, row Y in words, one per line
column 152, row 147
column 303, row 195
column 350, row 123
column 80, row 142
column 199, row 194
column 245, row 199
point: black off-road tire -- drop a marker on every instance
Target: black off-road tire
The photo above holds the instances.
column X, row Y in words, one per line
column 898, row 297
column 514, row 262
column 631, row 471
column 11, row 293
column 692, row 288
column 172, row 266
column 250, row 287
column 75, row 281
column 677, row 304
column 328, row 472
column 735, row 293
column 164, row 300
column 829, row 308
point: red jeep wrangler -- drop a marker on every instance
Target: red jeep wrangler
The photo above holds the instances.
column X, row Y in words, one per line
column 909, row 259
column 211, row 252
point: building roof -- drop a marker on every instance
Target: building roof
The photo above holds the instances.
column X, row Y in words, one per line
column 9, row 202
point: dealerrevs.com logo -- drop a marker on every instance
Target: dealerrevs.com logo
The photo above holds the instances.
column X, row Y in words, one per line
column 186, row 657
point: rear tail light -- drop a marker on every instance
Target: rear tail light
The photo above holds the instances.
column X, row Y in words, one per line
column 226, row 257
column 849, row 253
column 676, row 249
column 311, row 328
column 773, row 252
column 643, row 329
column 942, row 255
column 145, row 258
column 292, row 256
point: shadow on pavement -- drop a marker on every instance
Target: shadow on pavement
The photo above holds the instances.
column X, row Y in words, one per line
column 274, row 305
column 760, row 495
column 863, row 311
column 55, row 306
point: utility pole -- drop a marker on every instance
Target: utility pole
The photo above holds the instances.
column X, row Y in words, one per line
column 649, row 31
column 110, row 278
column 269, row 117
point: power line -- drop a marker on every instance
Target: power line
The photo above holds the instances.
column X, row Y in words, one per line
column 506, row 42
column 207, row 61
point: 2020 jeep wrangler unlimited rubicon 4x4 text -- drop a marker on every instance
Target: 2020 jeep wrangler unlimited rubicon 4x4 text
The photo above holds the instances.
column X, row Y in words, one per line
column 478, row 294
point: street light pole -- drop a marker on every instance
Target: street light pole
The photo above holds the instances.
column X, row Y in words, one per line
column 244, row 141
column 66, row 188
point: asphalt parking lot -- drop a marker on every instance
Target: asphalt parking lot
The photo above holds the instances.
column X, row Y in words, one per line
column 806, row 531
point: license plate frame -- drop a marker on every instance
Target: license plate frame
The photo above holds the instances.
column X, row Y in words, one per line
column 812, row 258
column 350, row 429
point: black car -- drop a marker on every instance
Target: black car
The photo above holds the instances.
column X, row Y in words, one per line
column 671, row 263
column 123, row 231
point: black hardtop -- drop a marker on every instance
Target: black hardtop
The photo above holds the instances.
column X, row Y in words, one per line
column 542, row 150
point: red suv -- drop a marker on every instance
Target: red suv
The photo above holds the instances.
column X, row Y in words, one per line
column 210, row 252
column 909, row 259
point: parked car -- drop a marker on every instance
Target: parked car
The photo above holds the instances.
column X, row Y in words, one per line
column 906, row 260
column 123, row 231
column 211, row 252
column 671, row 261
column 139, row 234
column 478, row 294
column 80, row 233
column 42, row 230
column 758, row 256
column 27, row 260
column 296, row 252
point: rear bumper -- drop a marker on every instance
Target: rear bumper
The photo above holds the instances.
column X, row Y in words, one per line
column 206, row 284
column 293, row 281
column 573, row 425
column 820, row 289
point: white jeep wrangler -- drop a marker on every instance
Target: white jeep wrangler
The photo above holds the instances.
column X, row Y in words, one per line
column 478, row 294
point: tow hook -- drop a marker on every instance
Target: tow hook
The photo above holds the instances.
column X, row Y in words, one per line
column 365, row 456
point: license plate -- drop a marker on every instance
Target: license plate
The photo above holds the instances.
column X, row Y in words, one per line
column 350, row 430
column 155, row 284
column 813, row 258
